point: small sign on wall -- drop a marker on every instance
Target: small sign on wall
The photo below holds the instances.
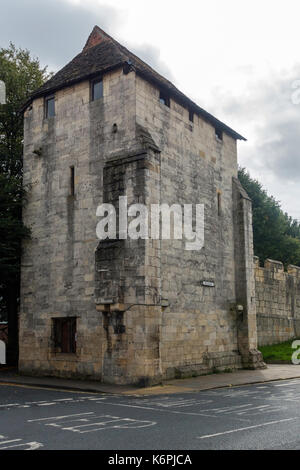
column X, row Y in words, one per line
column 207, row 283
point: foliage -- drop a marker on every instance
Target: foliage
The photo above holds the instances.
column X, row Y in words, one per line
column 21, row 74
column 275, row 234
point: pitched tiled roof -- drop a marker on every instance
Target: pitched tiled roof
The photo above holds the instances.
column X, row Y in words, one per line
column 102, row 53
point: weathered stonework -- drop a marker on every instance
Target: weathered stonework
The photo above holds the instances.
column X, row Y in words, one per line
column 277, row 302
column 142, row 310
column 245, row 284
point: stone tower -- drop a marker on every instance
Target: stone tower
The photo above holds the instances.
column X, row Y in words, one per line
column 123, row 310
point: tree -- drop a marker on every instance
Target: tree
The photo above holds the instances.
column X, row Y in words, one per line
column 275, row 234
column 21, row 74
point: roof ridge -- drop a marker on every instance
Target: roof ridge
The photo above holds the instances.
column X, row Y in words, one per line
column 96, row 36
column 102, row 53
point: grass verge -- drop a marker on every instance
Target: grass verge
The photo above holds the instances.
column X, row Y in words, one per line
column 280, row 353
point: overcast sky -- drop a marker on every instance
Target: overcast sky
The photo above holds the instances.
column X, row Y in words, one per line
column 238, row 59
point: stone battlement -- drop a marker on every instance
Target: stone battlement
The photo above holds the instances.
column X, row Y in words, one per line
column 277, row 266
column 277, row 301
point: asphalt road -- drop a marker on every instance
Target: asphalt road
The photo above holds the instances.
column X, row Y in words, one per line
column 263, row 416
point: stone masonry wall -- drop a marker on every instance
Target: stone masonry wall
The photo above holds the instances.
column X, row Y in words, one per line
column 277, row 302
column 128, row 278
column 142, row 309
column 58, row 264
column 199, row 328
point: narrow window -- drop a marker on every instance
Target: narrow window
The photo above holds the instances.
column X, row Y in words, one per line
column 50, row 106
column 191, row 116
column 164, row 99
column 219, row 203
column 219, row 133
column 72, row 181
column 97, row 89
column 64, row 335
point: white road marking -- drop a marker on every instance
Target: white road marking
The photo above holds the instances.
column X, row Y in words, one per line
column 33, row 445
column 64, row 399
column 120, row 426
column 59, row 424
column 229, row 409
column 263, row 410
column 287, row 384
column 53, row 402
column 9, row 404
column 97, row 423
column 35, row 402
column 162, row 410
column 100, row 423
column 255, row 408
column 285, row 394
column 237, row 393
column 167, row 403
column 8, row 442
column 59, row 417
column 95, row 399
column 46, row 404
column 245, row 429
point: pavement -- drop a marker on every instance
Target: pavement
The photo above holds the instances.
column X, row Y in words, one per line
column 274, row 372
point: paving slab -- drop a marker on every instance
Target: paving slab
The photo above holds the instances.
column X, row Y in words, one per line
column 205, row 382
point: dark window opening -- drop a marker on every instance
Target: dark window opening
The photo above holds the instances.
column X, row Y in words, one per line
column 72, row 180
column 219, row 133
column 191, row 116
column 64, row 335
column 219, row 203
column 50, row 107
column 97, row 89
column 164, row 99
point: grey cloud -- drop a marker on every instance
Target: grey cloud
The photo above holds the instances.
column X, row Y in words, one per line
column 151, row 55
column 56, row 30
column 53, row 30
column 267, row 109
column 282, row 153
